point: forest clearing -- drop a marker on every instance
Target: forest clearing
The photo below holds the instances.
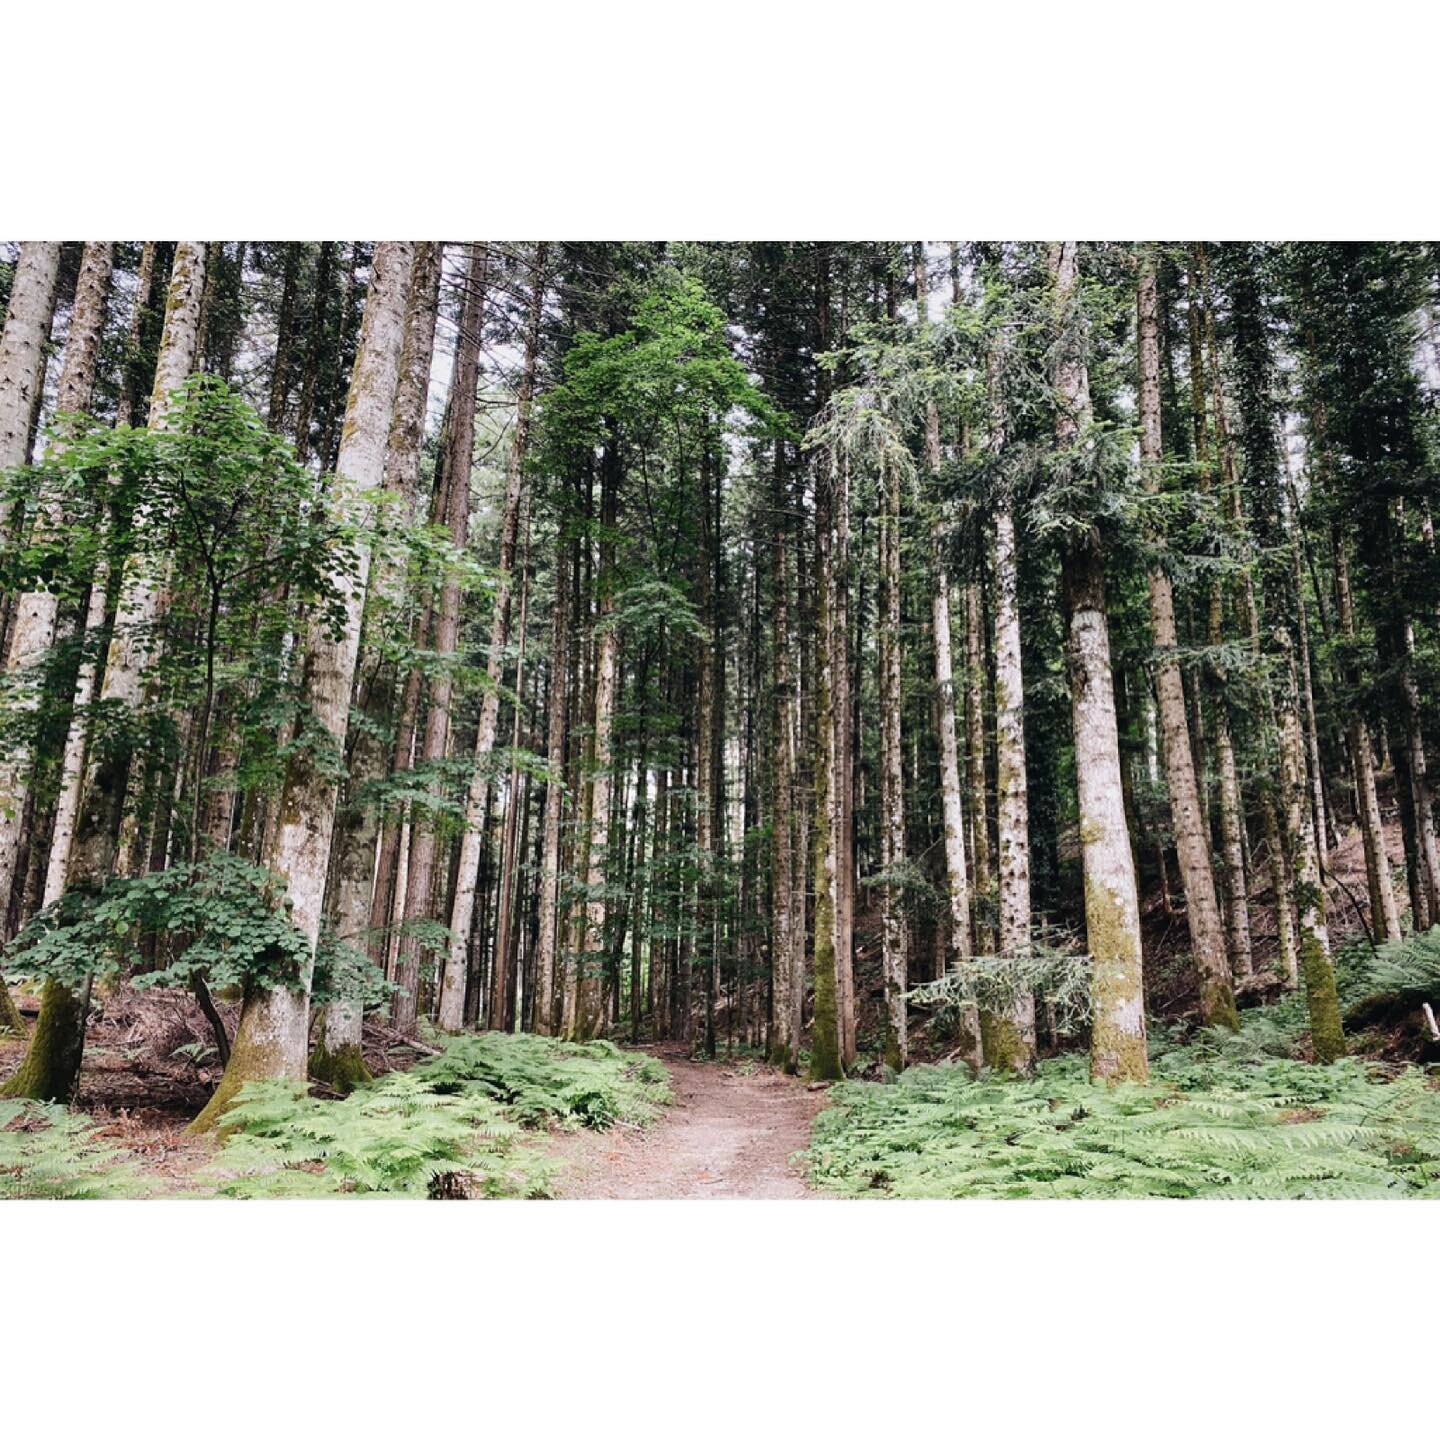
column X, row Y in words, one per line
column 758, row 719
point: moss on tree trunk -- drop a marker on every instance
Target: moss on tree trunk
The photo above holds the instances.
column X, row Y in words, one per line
column 343, row 1069
column 52, row 1063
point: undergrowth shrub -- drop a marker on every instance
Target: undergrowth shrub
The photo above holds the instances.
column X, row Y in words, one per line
column 542, row 1081
column 1220, row 1119
column 395, row 1137
column 48, row 1153
column 451, row 1124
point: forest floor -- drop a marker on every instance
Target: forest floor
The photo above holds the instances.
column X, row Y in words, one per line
column 730, row 1135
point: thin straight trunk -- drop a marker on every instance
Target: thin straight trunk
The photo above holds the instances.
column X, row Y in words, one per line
column 660, row 898
column 52, row 1064
column 546, row 959
column 1112, row 903
column 825, row 1039
column 957, row 872
column 827, row 1044
column 1280, row 878
column 402, row 477
column 982, row 866
column 1009, row 1038
column 1321, row 998
column 892, row 795
column 589, row 1012
column 462, row 909
column 842, row 837
column 280, row 374
column 502, row 979
column 1232, row 821
column 1400, row 633
column 1385, row 913
column 1192, row 839
column 72, row 769
column 337, row 1057
column 637, row 900
column 709, row 812
column 271, row 1040
column 23, row 353
column 314, row 347
column 424, row 840
column 788, row 986
column 33, row 628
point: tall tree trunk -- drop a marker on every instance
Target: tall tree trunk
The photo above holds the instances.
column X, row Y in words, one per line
column 825, row 1040
column 462, row 908
column 424, row 840
column 33, row 630
column 892, row 796
column 72, row 768
column 788, row 987
column 589, row 1013
column 502, row 985
column 23, row 352
column 1192, row 839
column 1314, row 942
column 982, row 865
column 337, row 1058
column 1112, row 903
column 280, row 372
column 1232, row 821
column 1385, row 913
column 1280, row 878
column 842, row 792
column 271, row 1040
column 546, row 958
column 1009, row 1038
column 52, row 1064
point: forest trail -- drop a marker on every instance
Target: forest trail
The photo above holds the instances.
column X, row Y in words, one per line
column 729, row 1136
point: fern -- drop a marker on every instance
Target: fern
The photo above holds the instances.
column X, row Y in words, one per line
column 543, row 1081
column 48, row 1153
column 1219, row 1120
column 452, row 1124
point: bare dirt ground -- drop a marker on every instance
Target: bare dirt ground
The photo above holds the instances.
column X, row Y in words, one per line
column 729, row 1136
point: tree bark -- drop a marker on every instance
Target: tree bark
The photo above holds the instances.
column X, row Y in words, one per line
column 462, row 909
column 1385, row 913
column 1192, row 839
column 33, row 628
column 23, row 352
column 788, row 987
column 1321, row 998
column 424, row 841
column 337, row 1056
column 52, row 1064
column 892, row 795
column 271, row 1040
column 1112, row 905
column 1009, row 1038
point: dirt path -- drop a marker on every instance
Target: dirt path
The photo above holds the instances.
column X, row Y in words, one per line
column 729, row 1136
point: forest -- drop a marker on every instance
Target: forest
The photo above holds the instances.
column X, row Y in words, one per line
column 931, row 719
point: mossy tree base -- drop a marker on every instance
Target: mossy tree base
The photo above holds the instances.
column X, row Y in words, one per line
column 1321, row 998
column 11, row 1020
column 1004, row 1045
column 343, row 1070
column 51, row 1068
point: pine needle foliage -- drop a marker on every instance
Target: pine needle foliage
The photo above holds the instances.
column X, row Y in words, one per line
column 1217, row 1121
column 49, row 1153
